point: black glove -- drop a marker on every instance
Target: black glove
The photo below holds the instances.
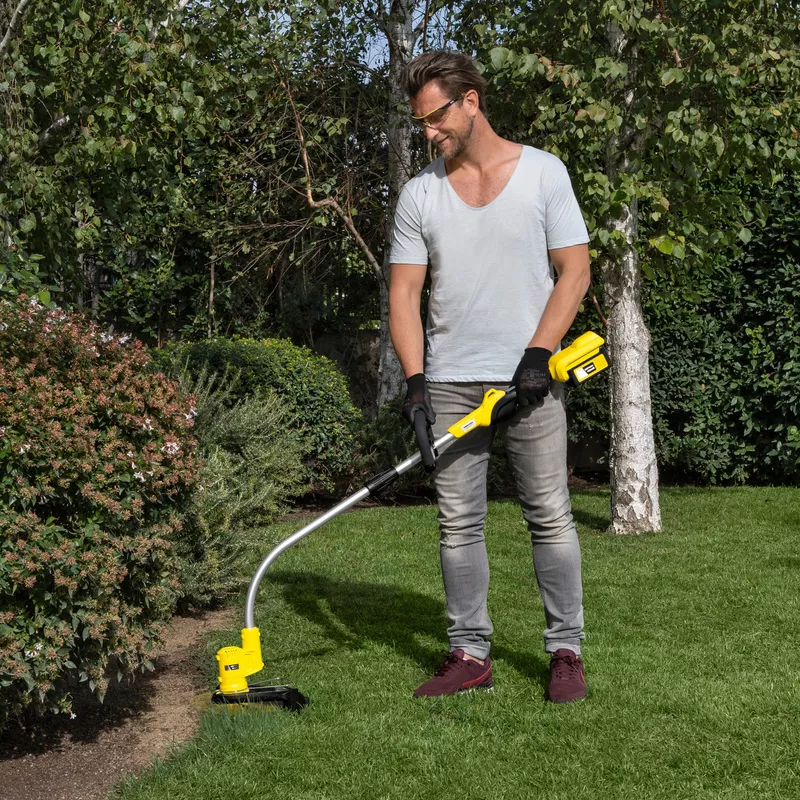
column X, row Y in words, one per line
column 418, row 398
column 532, row 378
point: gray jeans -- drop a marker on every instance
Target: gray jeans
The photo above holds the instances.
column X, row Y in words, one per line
column 536, row 441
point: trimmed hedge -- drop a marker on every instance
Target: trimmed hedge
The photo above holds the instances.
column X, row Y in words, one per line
column 315, row 395
column 724, row 365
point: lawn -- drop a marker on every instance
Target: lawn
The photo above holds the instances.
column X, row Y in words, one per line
column 691, row 659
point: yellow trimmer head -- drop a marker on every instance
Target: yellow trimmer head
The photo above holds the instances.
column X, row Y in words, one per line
column 237, row 663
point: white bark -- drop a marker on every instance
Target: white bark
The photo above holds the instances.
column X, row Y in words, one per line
column 401, row 38
column 13, row 24
column 634, row 472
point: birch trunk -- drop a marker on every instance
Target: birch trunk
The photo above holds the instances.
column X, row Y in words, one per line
column 634, row 472
column 400, row 34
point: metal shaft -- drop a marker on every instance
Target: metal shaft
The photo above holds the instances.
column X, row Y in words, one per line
column 440, row 445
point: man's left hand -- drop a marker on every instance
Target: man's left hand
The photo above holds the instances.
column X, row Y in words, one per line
column 532, row 378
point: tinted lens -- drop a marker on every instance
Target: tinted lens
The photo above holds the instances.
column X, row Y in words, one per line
column 436, row 117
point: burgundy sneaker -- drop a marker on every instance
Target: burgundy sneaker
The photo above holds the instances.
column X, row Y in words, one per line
column 567, row 683
column 457, row 675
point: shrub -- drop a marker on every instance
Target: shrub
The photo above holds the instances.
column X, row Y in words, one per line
column 252, row 467
column 320, row 415
column 724, row 363
column 96, row 465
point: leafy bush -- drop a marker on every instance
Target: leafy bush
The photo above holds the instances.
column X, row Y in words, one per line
column 252, row 467
column 96, row 466
column 320, row 415
column 724, row 365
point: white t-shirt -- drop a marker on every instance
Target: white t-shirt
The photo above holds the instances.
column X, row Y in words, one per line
column 491, row 275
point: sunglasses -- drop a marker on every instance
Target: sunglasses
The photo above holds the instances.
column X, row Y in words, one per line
column 436, row 117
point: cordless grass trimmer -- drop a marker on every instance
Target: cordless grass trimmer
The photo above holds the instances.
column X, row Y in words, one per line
column 585, row 357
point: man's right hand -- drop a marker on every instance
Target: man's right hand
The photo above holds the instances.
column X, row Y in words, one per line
column 417, row 399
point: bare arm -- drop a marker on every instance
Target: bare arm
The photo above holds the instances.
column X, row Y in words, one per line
column 572, row 267
column 405, row 323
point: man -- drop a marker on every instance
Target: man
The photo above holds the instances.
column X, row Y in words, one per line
column 489, row 216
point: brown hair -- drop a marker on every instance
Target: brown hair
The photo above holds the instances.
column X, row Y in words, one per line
column 454, row 72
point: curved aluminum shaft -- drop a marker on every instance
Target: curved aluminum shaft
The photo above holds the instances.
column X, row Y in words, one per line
column 440, row 445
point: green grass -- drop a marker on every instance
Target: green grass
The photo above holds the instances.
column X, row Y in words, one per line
column 691, row 659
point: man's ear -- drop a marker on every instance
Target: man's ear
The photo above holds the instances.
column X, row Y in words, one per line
column 472, row 101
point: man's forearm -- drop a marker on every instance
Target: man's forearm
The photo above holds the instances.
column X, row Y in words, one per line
column 561, row 309
column 408, row 338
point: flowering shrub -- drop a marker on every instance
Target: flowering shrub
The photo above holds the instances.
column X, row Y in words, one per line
column 97, row 462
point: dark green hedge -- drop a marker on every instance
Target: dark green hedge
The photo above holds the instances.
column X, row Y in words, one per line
column 725, row 370
column 319, row 410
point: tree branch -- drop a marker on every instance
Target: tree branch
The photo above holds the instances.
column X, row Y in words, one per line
column 53, row 130
column 328, row 202
column 432, row 8
column 14, row 24
column 599, row 311
column 675, row 55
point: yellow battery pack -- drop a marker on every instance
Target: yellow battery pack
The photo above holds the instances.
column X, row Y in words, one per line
column 585, row 357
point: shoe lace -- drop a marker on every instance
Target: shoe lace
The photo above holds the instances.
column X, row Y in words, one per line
column 449, row 664
column 564, row 667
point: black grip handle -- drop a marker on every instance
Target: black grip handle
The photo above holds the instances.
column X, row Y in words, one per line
column 506, row 406
column 424, row 441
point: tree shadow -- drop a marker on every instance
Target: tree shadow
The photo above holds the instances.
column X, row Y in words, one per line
column 788, row 562
column 597, row 523
column 349, row 614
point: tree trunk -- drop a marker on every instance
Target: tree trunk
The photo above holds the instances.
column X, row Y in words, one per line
column 401, row 37
column 634, row 471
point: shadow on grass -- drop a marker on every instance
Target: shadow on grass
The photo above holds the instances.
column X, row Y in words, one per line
column 349, row 614
column 597, row 523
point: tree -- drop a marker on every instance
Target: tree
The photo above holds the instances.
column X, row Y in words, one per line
column 662, row 111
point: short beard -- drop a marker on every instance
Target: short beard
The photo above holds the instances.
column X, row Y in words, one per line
column 459, row 142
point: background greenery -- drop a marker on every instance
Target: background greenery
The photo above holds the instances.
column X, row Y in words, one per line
column 318, row 414
column 151, row 174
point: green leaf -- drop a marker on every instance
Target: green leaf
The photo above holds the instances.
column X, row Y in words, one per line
column 28, row 223
column 499, row 56
column 665, row 245
column 178, row 113
column 745, row 235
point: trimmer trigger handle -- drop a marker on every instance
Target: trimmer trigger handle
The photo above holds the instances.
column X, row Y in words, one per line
column 425, row 441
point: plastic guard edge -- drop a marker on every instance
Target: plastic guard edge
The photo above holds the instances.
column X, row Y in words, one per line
column 287, row 697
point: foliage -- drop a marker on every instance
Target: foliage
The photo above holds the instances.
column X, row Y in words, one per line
column 702, row 100
column 251, row 469
column 727, row 371
column 320, row 415
column 724, row 365
column 143, row 148
column 97, row 464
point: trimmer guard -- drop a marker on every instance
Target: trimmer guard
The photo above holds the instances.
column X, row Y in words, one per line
column 282, row 697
